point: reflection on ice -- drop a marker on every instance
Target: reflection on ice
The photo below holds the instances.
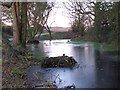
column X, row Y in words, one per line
column 92, row 73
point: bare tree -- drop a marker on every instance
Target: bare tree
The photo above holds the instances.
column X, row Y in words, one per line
column 82, row 13
column 6, row 14
column 38, row 16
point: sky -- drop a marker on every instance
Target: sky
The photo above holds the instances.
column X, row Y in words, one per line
column 58, row 16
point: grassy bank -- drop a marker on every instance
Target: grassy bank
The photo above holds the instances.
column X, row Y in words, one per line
column 102, row 47
column 56, row 35
column 98, row 46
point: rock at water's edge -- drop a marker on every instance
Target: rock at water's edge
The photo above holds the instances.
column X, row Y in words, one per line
column 33, row 41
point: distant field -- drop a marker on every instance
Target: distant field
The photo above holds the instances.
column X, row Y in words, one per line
column 56, row 35
column 60, row 29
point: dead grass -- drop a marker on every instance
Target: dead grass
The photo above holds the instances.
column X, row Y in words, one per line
column 13, row 72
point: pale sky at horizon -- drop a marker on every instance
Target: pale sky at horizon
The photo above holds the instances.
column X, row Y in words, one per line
column 58, row 16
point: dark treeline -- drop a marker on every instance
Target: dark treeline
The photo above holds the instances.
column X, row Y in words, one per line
column 99, row 22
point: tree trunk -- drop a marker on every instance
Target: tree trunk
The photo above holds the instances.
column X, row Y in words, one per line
column 24, row 23
column 16, row 34
column 48, row 29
